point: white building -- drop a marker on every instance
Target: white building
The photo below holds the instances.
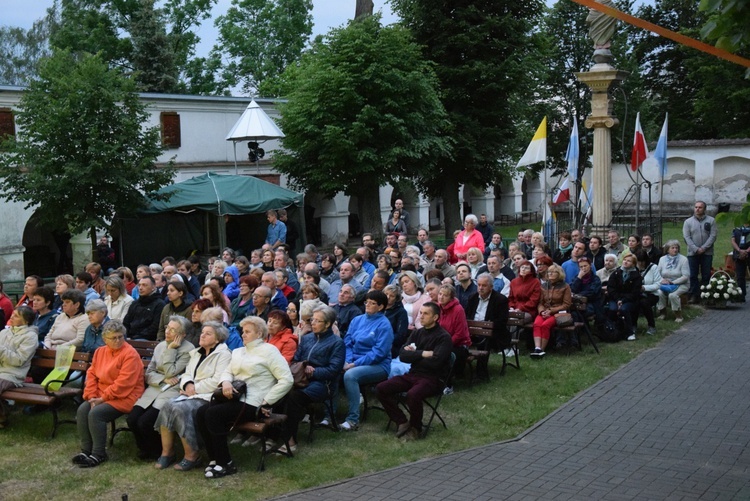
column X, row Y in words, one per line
column 194, row 130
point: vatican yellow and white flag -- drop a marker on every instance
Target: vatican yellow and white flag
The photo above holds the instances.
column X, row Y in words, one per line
column 537, row 150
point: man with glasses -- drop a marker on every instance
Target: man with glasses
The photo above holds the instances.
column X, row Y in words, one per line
column 262, row 302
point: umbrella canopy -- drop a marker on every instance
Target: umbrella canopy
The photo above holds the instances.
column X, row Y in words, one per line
column 254, row 124
column 224, row 195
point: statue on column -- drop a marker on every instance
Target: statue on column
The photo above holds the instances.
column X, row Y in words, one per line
column 601, row 30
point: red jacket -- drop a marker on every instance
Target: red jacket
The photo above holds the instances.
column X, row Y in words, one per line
column 453, row 320
column 525, row 293
column 286, row 341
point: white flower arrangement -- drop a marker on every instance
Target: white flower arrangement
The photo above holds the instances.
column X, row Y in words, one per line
column 721, row 287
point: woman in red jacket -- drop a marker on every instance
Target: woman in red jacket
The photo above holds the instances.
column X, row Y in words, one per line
column 281, row 335
column 525, row 290
column 114, row 382
column 453, row 320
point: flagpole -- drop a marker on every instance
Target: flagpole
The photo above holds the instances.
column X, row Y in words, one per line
column 661, row 184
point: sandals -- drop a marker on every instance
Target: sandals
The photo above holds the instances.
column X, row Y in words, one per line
column 186, row 464
column 164, row 462
column 221, row 471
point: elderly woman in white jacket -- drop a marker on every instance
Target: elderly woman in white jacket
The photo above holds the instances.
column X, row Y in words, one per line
column 675, row 279
column 168, row 362
column 18, row 342
column 650, row 289
column 202, row 376
column 268, row 378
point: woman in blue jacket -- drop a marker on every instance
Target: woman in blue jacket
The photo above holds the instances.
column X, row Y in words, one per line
column 368, row 352
column 324, row 353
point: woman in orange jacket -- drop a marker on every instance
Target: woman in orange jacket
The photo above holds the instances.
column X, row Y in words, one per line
column 114, row 382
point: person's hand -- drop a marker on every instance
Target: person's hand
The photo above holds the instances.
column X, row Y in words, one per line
column 172, row 381
column 700, row 250
column 176, row 342
column 664, row 281
column 93, row 402
column 309, row 370
column 189, row 390
column 348, row 366
column 409, row 347
column 581, row 274
column 227, row 389
column 427, row 354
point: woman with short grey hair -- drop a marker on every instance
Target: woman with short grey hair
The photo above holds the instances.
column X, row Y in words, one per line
column 675, row 280
column 202, row 376
column 168, row 363
column 114, row 382
column 468, row 238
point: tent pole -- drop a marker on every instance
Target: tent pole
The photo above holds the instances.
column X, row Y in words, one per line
column 234, row 143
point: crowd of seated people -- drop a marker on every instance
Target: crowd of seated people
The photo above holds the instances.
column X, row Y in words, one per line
column 392, row 316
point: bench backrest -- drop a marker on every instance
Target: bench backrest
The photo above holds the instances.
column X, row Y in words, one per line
column 480, row 328
column 46, row 358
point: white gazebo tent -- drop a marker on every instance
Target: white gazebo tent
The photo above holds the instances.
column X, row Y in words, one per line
column 253, row 125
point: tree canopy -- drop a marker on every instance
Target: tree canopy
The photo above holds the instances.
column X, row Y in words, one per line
column 480, row 51
column 258, row 39
column 83, row 154
column 363, row 111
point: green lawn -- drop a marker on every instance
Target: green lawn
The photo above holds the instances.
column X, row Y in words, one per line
column 34, row 467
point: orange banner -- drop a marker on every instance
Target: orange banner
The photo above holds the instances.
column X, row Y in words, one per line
column 682, row 39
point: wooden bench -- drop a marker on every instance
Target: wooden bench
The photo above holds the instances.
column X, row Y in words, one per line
column 578, row 309
column 260, row 429
column 479, row 352
column 517, row 324
column 36, row 394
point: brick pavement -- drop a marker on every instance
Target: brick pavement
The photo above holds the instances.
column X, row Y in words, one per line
column 672, row 424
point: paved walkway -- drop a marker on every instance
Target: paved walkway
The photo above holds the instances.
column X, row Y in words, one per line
column 672, row 424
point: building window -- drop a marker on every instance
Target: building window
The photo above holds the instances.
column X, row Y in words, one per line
column 170, row 129
column 7, row 124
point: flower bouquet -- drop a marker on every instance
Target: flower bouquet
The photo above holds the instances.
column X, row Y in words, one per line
column 720, row 290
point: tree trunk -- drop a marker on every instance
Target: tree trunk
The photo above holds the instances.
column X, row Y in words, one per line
column 368, row 204
column 92, row 233
column 451, row 209
column 364, row 8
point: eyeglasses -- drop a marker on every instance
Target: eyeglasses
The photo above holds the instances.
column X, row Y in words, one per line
column 115, row 338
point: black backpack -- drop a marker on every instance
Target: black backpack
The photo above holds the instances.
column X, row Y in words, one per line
column 611, row 331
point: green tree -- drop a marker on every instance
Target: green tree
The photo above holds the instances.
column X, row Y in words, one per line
column 728, row 24
column 157, row 45
column 480, row 50
column 83, row 154
column 706, row 97
column 363, row 111
column 151, row 55
column 21, row 50
column 259, row 38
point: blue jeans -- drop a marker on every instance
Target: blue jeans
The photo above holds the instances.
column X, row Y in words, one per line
column 364, row 374
column 699, row 263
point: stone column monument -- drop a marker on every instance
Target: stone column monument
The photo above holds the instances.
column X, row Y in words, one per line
column 602, row 78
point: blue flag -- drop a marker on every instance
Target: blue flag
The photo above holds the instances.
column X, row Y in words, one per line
column 572, row 155
column 661, row 149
